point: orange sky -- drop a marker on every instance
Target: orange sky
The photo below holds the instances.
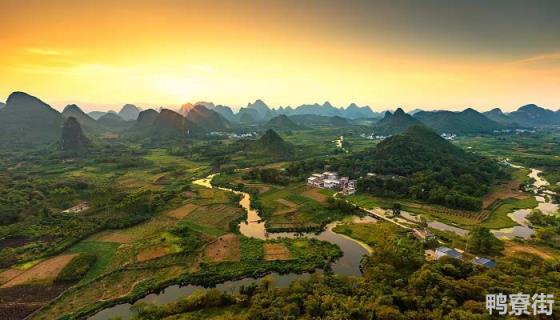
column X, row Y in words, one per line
column 163, row 53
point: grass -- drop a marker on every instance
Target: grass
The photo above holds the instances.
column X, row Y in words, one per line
column 28, row 265
column 307, row 212
column 215, row 217
column 435, row 212
column 209, row 230
column 104, row 252
column 498, row 217
column 371, row 234
column 251, row 249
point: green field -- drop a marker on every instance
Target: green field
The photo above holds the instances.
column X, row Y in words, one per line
column 104, row 252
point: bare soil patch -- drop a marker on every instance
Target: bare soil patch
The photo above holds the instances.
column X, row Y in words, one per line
column 45, row 270
column 9, row 274
column 19, row 301
column 514, row 247
column 14, row 242
column 225, row 248
column 276, row 251
column 182, row 212
column 313, row 193
column 151, row 253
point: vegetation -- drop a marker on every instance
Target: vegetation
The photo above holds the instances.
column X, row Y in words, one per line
column 77, row 268
column 394, row 285
column 442, row 173
column 125, row 215
column 482, row 241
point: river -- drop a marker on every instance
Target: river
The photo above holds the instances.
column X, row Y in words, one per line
column 254, row 226
column 524, row 230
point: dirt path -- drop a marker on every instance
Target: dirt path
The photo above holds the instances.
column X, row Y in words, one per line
column 514, row 247
column 45, row 270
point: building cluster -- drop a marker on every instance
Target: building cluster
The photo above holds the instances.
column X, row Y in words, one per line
column 230, row 135
column 452, row 253
column 331, row 180
column 449, row 136
column 77, row 208
column 373, row 136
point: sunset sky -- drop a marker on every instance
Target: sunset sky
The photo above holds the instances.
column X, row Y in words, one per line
column 428, row 54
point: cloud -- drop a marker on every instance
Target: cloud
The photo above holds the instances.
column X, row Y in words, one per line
column 547, row 60
column 47, row 52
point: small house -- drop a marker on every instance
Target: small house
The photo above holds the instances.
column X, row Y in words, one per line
column 485, row 262
column 448, row 252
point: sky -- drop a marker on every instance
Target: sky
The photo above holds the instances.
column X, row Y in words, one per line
column 429, row 54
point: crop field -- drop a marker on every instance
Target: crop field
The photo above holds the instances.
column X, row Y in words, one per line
column 225, row 248
column 276, row 251
column 104, row 252
column 44, row 272
column 217, row 216
column 372, row 234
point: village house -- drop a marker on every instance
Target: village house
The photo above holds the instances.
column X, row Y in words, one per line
column 485, row 262
column 448, row 252
column 331, row 180
column 423, row 234
column 77, row 208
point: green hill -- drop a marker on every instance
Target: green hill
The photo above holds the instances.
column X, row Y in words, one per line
column 207, row 119
column 72, row 137
column 394, row 123
column 534, row 116
column 497, row 115
column 464, row 122
column 112, row 121
column 147, row 117
column 87, row 123
column 164, row 125
column 282, row 122
column 272, row 144
column 27, row 120
column 419, row 164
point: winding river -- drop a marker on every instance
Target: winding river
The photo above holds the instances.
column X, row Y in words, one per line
column 523, row 230
column 254, row 226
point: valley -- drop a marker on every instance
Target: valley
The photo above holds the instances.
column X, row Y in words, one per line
column 139, row 219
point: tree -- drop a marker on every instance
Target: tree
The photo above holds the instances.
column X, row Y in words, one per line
column 396, row 209
column 481, row 240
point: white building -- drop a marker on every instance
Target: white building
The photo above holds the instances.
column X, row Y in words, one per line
column 330, row 180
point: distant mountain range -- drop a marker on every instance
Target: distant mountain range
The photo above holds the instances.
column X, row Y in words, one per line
column 26, row 120
column 259, row 111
